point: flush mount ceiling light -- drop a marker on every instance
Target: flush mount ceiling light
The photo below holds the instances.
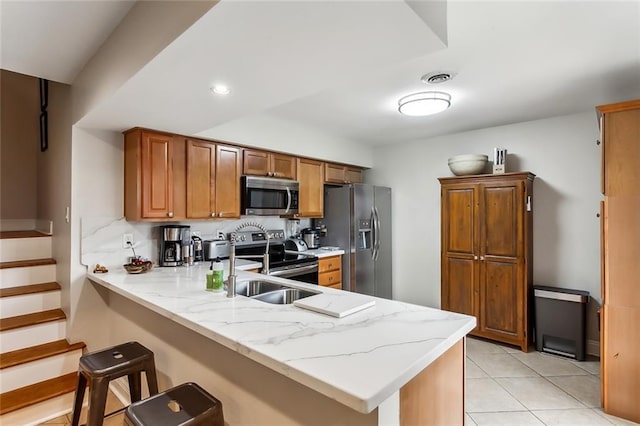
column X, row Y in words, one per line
column 220, row 89
column 424, row 103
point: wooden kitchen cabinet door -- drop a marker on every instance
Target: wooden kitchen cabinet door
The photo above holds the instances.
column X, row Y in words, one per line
column 157, row 176
column 341, row 174
column 311, row 190
column 282, row 166
column 486, row 245
column 228, row 173
column 154, row 173
column 201, row 177
column 263, row 163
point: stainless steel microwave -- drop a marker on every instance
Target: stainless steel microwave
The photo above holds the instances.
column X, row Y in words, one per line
column 269, row 196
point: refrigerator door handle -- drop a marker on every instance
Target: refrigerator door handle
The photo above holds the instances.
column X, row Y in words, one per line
column 374, row 233
column 376, row 227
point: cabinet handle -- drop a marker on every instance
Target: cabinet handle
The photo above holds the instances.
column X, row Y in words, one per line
column 481, row 257
column 213, row 214
column 475, row 257
column 170, row 214
column 220, row 214
column 330, row 278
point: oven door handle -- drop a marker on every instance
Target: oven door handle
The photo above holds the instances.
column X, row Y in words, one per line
column 294, row 271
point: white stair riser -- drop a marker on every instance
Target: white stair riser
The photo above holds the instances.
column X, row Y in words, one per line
column 14, row 277
column 39, row 370
column 40, row 412
column 24, row 337
column 12, row 249
column 29, row 303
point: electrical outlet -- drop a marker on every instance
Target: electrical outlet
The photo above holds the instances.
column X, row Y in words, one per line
column 127, row 240
column 196, row 234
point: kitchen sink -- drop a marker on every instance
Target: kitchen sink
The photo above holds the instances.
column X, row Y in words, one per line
column 255, row 287
column 271, row 292
column 284, row 296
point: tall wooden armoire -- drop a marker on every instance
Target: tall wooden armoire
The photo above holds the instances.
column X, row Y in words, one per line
column 620, row 220
column 487, row 253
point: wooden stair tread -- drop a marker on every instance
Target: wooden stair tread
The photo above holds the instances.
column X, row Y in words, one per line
column 22, row 234
column 22, row 356
column 29, row 289
column 38, row 392
column 31, row 319
column 27, row 263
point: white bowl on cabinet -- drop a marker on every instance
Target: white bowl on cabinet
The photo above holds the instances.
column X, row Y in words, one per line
column 468, row 164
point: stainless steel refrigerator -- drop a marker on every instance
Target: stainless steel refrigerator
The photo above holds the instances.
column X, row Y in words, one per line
column 357, row 218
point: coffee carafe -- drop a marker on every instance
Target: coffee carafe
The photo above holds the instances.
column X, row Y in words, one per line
column 172, row 240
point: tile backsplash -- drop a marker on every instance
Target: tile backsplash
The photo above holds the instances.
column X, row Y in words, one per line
column 102, row 237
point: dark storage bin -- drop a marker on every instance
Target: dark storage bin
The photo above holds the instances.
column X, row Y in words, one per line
column 560, row 321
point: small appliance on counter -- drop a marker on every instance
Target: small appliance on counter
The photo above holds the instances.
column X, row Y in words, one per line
column 295, row 244
column 172, row 239
column 311, row 237
column 216, row 248
column 198, row 255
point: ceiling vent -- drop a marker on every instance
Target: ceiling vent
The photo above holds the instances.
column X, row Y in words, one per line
column 437, row 77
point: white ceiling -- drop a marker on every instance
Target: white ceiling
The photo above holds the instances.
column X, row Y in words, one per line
column 341, row 66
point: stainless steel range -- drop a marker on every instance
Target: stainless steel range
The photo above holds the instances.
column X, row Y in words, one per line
column 282, row 263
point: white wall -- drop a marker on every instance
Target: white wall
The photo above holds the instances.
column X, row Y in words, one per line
column 274, row 133
column 561, row 151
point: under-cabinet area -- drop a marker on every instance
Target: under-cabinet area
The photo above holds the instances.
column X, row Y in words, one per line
column 171, row 177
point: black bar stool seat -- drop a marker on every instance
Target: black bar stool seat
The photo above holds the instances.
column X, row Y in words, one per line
column 185, row 404
column 100, row 367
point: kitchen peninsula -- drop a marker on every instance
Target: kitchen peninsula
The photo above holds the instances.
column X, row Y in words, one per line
column 394, row 363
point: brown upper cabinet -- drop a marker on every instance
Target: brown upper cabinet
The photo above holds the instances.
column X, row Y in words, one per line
column 263, row 163
column 212, row 180
column 311, row 179
column 339, row 173
column 171, row 178
column 487, row 271
column 149, row 186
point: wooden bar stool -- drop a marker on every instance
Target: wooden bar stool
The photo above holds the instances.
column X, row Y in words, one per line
column 100, row 367
column 186, row 404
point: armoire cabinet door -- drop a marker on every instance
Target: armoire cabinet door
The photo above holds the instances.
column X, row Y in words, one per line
column 501, row 246
column 459, row 266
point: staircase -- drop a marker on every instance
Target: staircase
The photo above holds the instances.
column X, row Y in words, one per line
column 37, row 364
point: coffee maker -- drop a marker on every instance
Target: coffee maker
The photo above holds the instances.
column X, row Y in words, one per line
column 172, row 240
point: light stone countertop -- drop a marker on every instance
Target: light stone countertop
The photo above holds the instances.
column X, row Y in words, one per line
column 319, row 253
column 359, row 360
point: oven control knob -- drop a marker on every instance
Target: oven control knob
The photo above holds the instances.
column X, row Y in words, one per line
column 280, row 234
column 242, row 238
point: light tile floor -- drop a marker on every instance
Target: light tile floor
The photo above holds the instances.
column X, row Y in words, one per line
column 508, row 387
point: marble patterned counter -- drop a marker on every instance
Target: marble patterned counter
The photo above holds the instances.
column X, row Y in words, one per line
column 359, row 360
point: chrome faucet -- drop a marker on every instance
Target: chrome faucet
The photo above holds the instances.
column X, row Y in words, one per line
column 231, row 280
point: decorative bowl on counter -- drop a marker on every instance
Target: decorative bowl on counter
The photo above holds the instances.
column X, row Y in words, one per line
column 139, row 267
column 468, row 164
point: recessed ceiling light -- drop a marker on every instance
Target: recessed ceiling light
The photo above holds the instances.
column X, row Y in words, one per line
column 220, row 89
column 424, row 103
